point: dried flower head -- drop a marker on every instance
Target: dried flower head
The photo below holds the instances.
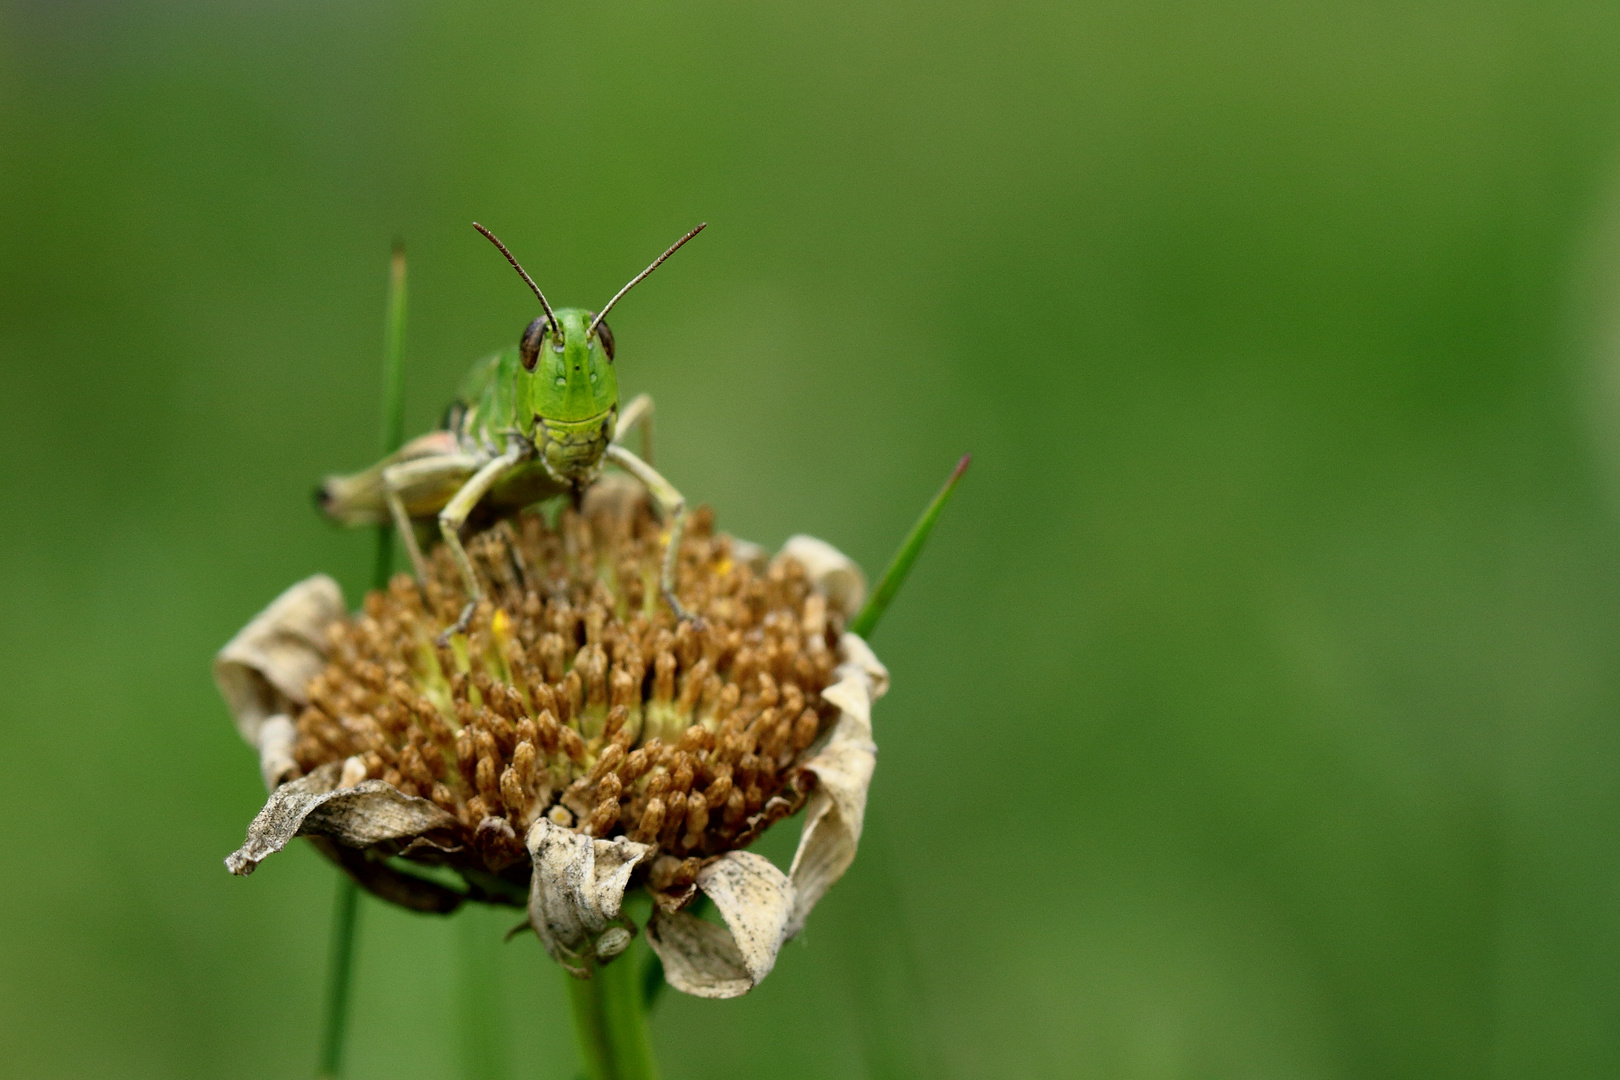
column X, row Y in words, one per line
column 577, row 739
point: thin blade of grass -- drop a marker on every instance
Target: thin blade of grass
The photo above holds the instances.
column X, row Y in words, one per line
column 393, row 427
column 900, row 566
column 346, row 913
column 339, row 972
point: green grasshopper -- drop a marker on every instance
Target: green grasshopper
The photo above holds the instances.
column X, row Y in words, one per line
column 534, row 421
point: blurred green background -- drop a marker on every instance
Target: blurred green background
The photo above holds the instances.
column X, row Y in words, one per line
column 1254, row 709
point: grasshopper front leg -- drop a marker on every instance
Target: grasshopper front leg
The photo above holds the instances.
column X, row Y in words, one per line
column 639, row 413
column 454, row 515
column 672, row 504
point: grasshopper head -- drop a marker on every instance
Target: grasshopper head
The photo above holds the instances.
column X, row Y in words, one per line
column 572, row 367
column 569, row 355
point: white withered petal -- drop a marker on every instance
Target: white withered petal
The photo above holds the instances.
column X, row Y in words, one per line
column 368, row 813
column 833, row 573
column 577, row 887
column 700, row 958
column 843, row 768
column 262, row 671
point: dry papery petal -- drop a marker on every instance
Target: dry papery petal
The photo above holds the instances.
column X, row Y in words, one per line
column 761, row 907
column 577, row 888
column 368, row 813
column 701, row 958
column 834, row 574
column 262, row 671
column 843, row 768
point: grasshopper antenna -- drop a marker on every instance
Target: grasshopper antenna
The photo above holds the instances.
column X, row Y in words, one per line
column 492, row 238
column 673, row 248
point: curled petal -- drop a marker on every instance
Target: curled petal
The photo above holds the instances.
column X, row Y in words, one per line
column 699, row 957
column 381, row 880
column 832, row 573
column 755, row 899
column 843, row 766
column 277, row 736
column 262, row 671
column 368, row 813
column 577, row 887
column 856, row 659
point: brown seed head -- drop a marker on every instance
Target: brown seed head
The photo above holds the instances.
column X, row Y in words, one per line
column 575, row 694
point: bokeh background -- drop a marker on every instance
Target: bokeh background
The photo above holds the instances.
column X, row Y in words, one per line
column 1255, row 707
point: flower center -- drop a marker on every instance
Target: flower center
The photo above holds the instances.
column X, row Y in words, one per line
column 576, row 694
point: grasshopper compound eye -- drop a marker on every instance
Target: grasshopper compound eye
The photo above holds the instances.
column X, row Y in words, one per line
column 605, row 336
column 533, row 337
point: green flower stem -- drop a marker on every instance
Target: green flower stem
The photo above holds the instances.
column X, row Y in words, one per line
column 900, row 566
column 340, row 962
column 610, row 1022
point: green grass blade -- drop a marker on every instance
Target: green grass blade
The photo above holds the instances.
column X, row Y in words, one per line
column 394, row 355
column 393, row 426
column 900, row 566
column 340, row 962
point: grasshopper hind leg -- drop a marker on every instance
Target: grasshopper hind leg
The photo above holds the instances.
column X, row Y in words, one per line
column 407, row 533
column 417, row 480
